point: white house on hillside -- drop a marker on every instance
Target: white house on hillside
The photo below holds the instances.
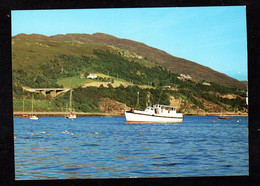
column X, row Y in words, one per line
column 184, row 77
column 92, row 76
column 207, row 84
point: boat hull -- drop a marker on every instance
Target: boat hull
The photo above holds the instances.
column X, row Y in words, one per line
column 33, row 118
column 224, row 117
column 72, row 117
column 24, row 117
column 145, row 118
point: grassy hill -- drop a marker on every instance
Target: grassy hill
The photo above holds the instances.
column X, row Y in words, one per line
column 175, row 64
column 62, row 60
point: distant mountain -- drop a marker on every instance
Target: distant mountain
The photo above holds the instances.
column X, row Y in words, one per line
column 175, row 64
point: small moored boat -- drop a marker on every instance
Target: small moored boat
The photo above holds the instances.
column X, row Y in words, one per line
column 71, row 115
column 24, row 116
column 33, row 117
column 224, row 117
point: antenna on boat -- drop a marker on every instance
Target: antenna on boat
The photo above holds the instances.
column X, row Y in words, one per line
column 146, row 103
column 70, row 106
column 137, row 98
column 137, row 103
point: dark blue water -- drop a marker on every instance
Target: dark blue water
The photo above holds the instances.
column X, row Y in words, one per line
column 102, row 147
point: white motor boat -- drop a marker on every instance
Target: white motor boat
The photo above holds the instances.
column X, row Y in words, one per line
column 156, row 114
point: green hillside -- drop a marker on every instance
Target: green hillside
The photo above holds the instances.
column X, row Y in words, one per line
column 42, row 63
column 174, row 64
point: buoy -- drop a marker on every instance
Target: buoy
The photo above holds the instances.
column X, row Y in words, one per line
column 90, row 134
column 32, row 134
column 141, row 133
column 72, row 133
column 213, row 120
column 96, row 133
column 15, row 137
column 115, row 132
column 49, row 134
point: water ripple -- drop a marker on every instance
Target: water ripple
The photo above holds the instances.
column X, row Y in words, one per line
column 100, row 147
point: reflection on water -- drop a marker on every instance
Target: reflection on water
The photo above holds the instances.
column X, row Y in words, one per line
column 100, row 147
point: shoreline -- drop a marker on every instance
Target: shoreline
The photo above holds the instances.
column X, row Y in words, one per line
column 62, row 114
column 218, row 114
column 90, row 114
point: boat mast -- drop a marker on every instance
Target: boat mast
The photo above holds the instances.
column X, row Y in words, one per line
column 32, row 103
column 137, row 98
column 137, row 102
column 70, row 100
column 23, row 105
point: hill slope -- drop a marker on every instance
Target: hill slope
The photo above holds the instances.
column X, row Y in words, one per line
column 175, row 64
column 66, row 60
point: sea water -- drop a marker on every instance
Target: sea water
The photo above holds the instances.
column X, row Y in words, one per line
column 108, row 147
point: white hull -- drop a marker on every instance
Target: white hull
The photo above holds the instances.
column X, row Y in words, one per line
column 72, row 116
column 152, row 118
column 33, row 118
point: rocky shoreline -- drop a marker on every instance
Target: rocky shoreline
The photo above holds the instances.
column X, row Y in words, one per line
column 83, row 114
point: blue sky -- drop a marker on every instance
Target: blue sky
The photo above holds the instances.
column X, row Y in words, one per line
column 211, row 36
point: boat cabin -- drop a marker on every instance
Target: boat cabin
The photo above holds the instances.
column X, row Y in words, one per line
column 161, row 109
